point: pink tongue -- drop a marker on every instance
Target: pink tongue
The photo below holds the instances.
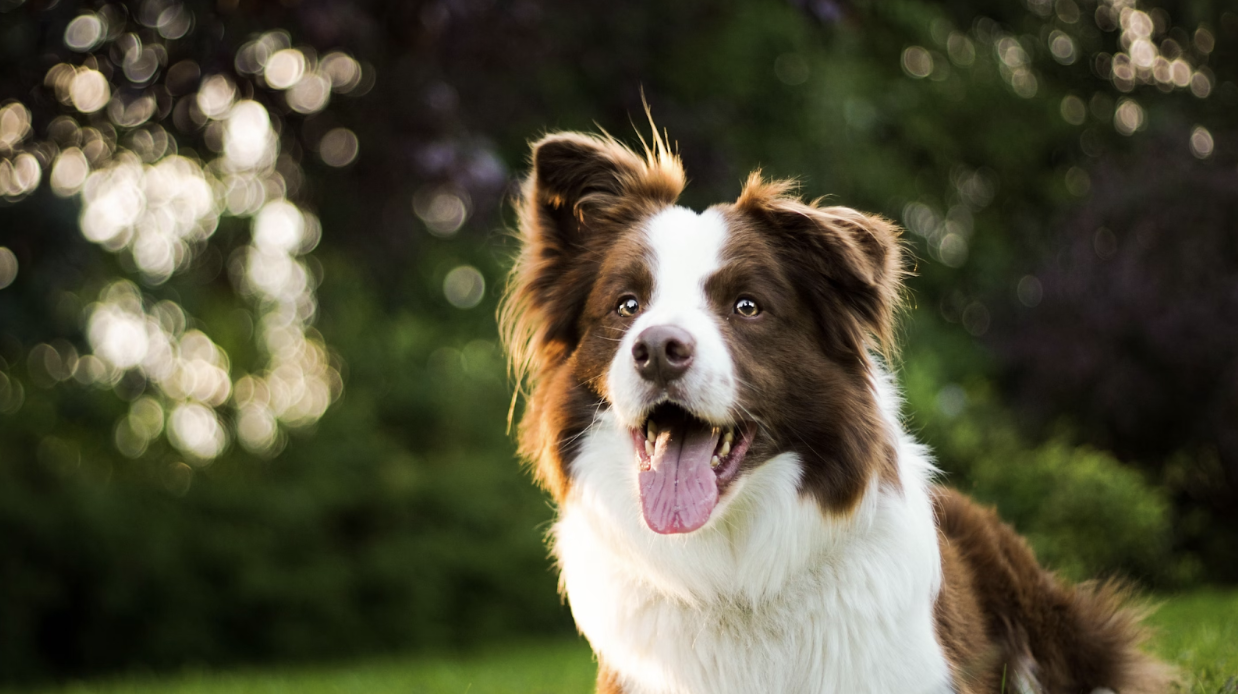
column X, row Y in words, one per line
column 680, row 490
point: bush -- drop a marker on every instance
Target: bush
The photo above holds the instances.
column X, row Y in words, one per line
column 404, row 522
column 1084, row 513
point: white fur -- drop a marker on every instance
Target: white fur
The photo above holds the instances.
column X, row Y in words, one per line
column 771, row 595
column 687, row 249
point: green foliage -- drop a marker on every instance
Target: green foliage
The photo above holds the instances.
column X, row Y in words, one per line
column 1084, row 513
column 402, row 522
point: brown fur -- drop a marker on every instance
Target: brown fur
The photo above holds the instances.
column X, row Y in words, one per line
column 583, row 194
column 608, row 680
column 803, row 363
column 1000, row 614
column 828, row 280
column 853, row 262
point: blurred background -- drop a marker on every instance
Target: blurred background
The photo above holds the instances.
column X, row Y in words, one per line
column 252, row 405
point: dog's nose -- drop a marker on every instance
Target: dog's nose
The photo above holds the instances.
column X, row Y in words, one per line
column 663, row 353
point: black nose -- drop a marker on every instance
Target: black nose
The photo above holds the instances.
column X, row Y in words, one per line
column 663, row 353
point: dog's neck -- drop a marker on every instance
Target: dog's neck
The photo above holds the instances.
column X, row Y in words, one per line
column 772, row 568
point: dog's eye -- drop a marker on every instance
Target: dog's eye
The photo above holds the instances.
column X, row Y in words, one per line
column 747, row 307
column 628, row 306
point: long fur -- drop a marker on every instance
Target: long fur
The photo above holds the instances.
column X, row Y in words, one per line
column 831, row 562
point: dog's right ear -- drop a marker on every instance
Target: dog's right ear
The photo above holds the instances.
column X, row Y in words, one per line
column 581, row 185
column 582, row 193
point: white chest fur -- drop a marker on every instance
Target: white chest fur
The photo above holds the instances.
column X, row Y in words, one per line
column 770, row 596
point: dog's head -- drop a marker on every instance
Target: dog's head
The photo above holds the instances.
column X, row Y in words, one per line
column 718, row 340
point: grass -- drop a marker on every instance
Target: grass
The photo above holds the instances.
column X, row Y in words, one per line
column 544, row 668
column 1198, row 631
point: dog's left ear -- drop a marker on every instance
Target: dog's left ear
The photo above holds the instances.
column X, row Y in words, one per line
column 849, row 264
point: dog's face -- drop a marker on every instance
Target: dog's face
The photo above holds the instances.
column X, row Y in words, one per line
column 717, row 340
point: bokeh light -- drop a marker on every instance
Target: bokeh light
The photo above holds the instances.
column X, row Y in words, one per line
column 1148, row 57
column 89, row 90
column 338, row 147
column 19, row 171
column 195, row 430
column 952, row 249
column 917, row 62
column 961, row 49
column 249, row 141
column 140, row 62
column 159, row 210
column 174, row 21
column 310, row 94
column 215, row 96
column 19, row 176
column 948, row 235
column 1077, row 181
column 1074, row 111
column 444, row 209
column 84, row 33
column 14, row 125
column 279, row 227
column 1201, row 142
column 464, row 286
column 284, row 68
column 1030, row 291
column 1062, row 47
column 1014, row 64
column 343, row 71
column 156, row 211
column 69, row 172
column 8, row 267
column 12, row 394
column 1128, row 117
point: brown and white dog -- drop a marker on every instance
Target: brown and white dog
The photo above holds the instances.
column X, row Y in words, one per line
column 740, row 509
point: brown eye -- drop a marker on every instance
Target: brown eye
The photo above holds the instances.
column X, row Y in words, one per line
column 747, row 307
column 628, row 306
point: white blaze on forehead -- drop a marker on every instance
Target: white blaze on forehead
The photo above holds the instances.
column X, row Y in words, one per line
column 685, row 249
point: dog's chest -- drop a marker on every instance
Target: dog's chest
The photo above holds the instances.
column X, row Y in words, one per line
column 778, row 611
column 810, row 646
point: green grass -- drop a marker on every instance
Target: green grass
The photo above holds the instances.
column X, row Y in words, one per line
column 564, row 667
column 1198, row 631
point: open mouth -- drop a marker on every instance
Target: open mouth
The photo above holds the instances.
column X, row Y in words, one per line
column 685, row 465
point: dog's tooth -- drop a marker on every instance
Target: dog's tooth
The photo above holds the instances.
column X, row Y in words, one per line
column 726, row 449
column 714, row 462
column 648, row 448
column 652, row 430
column 729, row 437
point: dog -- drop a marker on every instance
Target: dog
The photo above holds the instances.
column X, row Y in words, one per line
column 740, row 510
